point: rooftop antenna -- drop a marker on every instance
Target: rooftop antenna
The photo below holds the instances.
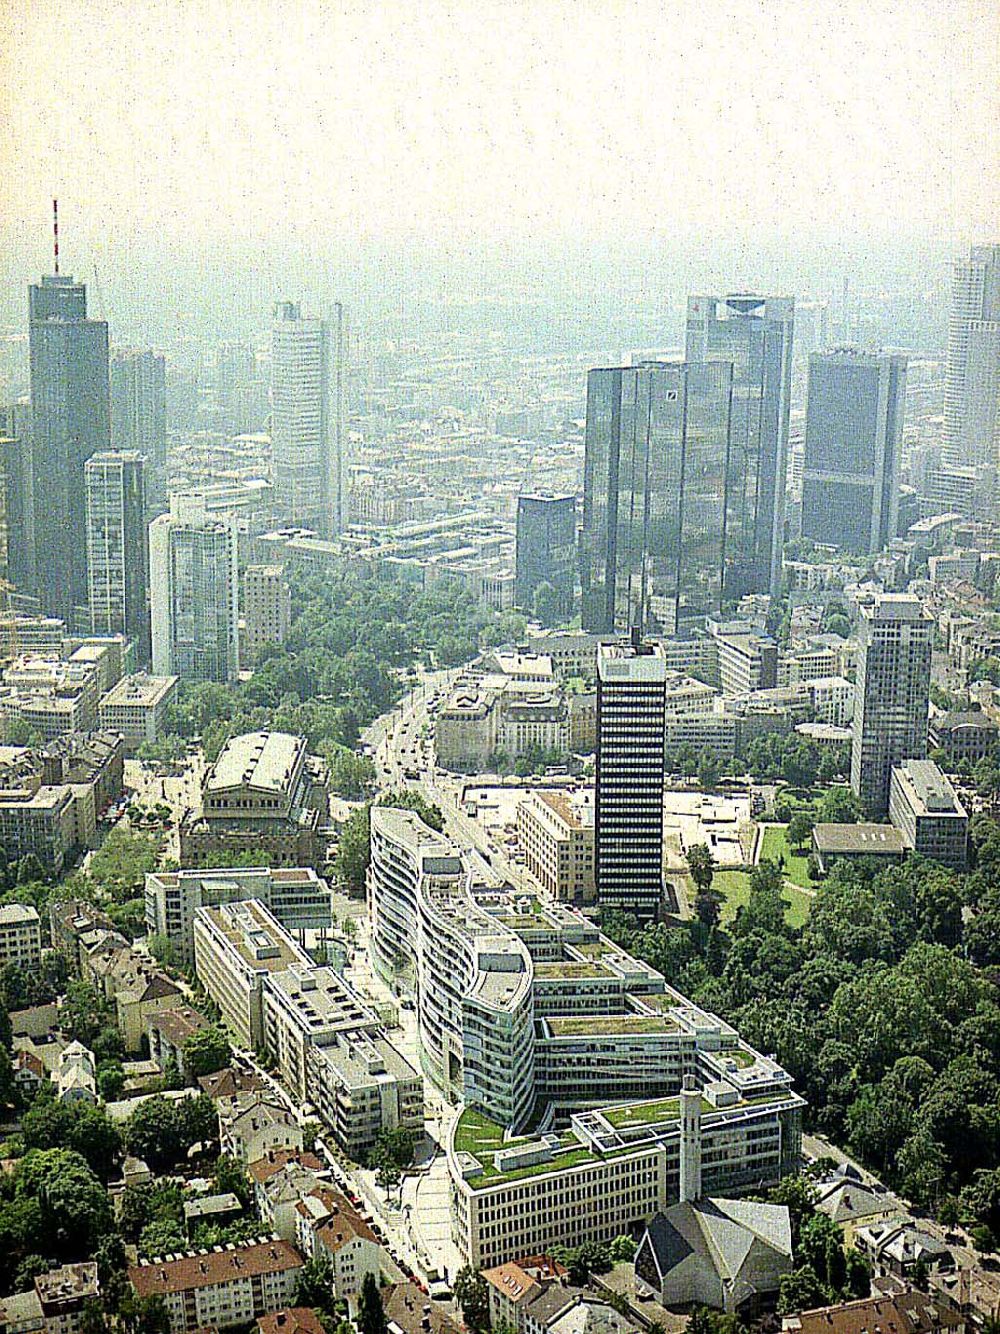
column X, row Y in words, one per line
column 55, row 232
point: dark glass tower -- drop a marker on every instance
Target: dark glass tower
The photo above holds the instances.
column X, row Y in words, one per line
column 755, row 334
column 653, row 545
column 70, row 422
column 854, row 431
column 546, row 552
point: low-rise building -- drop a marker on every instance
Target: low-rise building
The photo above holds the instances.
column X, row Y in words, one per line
column 911, row 1312
column 963, row 734
column 168, row 1032
column 222, row 1287
column 926, row 810
column 329, row 1226
column 280, row 1179
column 254, row 1122
column 136, row 707
column 20, row 935
column 408, row 1311
column 853, row 842
column 296, row 896
column 77, row 1074
column 55, row 1305
column 218, row 1209
column 292, row 1320
column 556, row 834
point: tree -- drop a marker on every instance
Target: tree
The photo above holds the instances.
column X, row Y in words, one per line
column 145, row 1315
column 352, row 776
column 708, row 770
column 206, row 1051
column 353, row 852
column 314, row 1285
column 49, row 1124
column 231, row 1178
column 153, row 1133
column 371, row 1313
column 623, row 1249
column 75, row 1212
column 388, row 1175
column 799, row 828
column 701, row 866
column 839, row 805
column 394, row 1146
column 473, row 1296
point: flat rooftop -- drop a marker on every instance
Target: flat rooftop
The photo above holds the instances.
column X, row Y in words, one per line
column 861, row 839
column 141, row 690
column 252, row 932
column 264, row 760
column 927, row 789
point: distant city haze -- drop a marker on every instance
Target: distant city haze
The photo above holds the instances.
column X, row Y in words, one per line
column 455, row 148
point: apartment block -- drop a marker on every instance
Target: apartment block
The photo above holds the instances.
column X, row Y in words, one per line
column 222, row 1287
column 20, row 935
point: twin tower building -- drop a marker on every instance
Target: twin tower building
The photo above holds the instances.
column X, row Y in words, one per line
column 684, row 480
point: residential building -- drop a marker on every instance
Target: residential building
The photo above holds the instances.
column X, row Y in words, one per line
column 222, row 1287
column 56, row 1304
column 136, row 706
column 280, row 1180
column 926, row 810
column 546, row 553
column 891, row 695
column 264, row 794
column 909, row 1312
column 899, row 1245
column 20, row 935
column 307, row 369
column 556, row 834
column 628, row 781
column 217, row 1209
column 408, row 1311
column 70, row 421
column 236, row 945
column 76, row 1077
column 329, row 1226
column 296, row 896
column 652, row 547
column 330, row 1051
column 293, row 1320
column 856, row 842
column 254, row 1123
column 139, row 411
column 168, row 1031
column 972, row 386
column 194, row 592
column 963, row 735
column 854, row 429
column 117, row 547
column 754, row 333
column 267, row 609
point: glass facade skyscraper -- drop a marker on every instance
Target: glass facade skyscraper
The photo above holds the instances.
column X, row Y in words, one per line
column 972, row 386
column 755, row 334
column 546, row 551
column 652, row 549
column 854, row 432
column 70, row 422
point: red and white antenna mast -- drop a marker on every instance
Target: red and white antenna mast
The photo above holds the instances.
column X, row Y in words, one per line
column 55, row 232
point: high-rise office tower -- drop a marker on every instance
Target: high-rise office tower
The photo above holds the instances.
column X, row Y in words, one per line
column 854, row 430
column 652, row 548
column 194, row 592
column 307, row 417
column 755, row 334
column 628, row 782
column 972, row 384
column 117, row 547
column 890, row 695
column 267, row 609
column 546, row 553
column 139, row 412
column 70, row 422
column 17, row 536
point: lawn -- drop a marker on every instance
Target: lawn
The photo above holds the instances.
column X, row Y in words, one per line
column 776, row 846
column 734, row 886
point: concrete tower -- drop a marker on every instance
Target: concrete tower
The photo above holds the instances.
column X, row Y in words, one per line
column 690, row 1099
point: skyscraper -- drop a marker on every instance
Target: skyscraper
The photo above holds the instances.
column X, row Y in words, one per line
column 854, row 430
column 652, row 549
column 139, row 411
column 755, row 334
column 307, row 417
column 890, row 695
column 546, row 551
column 17, row 536
column 972, row 385
column 628, row 781
column 117, row 550
column 70, row 422
column 194, row 592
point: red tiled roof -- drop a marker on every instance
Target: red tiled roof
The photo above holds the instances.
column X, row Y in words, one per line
column 214, row 1267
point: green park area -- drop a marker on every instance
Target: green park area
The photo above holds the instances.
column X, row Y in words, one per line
column 795, row 861
column 734, row 887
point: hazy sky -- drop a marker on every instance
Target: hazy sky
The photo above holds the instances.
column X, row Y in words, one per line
column 484, row 120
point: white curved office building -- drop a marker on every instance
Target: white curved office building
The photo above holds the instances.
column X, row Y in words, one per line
column 472, row 975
